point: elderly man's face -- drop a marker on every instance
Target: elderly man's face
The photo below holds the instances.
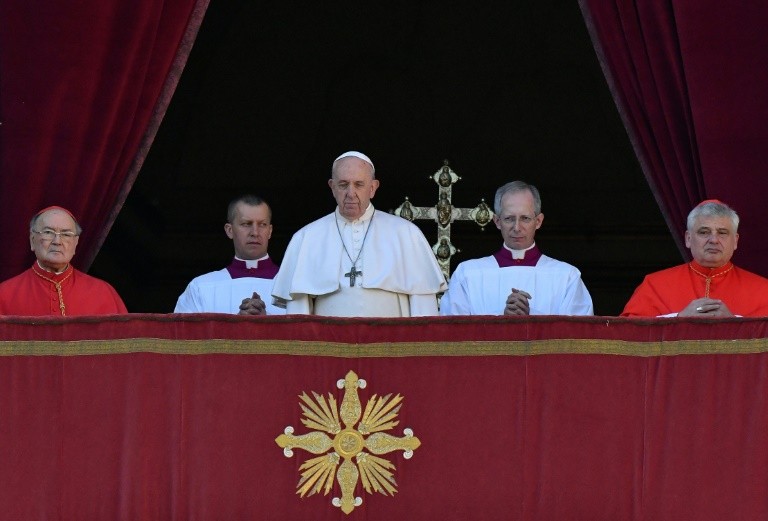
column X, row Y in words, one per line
column 353, row 186
column 56, row 252
column 712, row 241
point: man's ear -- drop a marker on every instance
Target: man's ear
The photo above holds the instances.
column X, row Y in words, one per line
column 228, row 230
column 374, row 187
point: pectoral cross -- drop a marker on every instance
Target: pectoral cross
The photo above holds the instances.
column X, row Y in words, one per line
column 444, row 213
column 353, row 274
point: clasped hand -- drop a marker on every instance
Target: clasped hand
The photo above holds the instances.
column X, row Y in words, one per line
column 517, row 303
column 253, row 306
column 706, row 307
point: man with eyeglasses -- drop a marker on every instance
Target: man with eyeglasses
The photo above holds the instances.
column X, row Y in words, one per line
column 518, row 279
column 52, row 286
column 244, row 285
column 710, row 285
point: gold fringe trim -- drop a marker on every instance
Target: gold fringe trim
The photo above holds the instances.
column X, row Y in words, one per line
column 383, row 349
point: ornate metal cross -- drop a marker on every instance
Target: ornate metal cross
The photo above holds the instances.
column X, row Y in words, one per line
column 444, row 213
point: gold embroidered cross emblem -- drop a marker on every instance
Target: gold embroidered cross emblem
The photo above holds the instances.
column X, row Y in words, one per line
column 361, row 442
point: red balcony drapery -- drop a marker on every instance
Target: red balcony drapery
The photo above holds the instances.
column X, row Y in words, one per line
column 175, row 417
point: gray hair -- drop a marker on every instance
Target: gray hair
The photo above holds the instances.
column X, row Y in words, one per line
column 514, row 187
column 250, row 200
column 712, row 208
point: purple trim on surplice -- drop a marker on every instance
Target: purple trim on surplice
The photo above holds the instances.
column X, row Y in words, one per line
column 505, row 260
column 266, row 269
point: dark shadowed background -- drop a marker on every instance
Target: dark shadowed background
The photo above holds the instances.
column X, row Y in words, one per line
column 272, row 94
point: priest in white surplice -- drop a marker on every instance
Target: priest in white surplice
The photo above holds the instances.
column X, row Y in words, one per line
column 237, row 289
column 358, row 261
column 518, row 279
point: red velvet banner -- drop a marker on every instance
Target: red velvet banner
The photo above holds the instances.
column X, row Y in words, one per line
column 175, row 417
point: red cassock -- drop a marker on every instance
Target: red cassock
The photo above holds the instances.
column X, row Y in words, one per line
column 35, row 292
column 669, row 291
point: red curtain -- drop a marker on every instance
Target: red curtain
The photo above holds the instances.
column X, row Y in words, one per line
column 83, row 87
column 689, row 79
column 174, row 417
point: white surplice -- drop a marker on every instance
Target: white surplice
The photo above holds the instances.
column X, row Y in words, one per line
column 218, row 292
column 481, row 287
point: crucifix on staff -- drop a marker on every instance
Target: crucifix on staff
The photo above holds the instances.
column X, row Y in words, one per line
column 444, row 213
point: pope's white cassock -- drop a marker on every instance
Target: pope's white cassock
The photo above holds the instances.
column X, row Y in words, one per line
column 481, row 286
column 223, row 291
column 384, row 268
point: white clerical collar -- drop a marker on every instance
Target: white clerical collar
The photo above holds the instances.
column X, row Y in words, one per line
column 365, row 217
column 52, row 271
column 519, row 254
column 252, row 263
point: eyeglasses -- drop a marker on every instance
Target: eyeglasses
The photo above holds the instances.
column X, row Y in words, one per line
column 48, row 235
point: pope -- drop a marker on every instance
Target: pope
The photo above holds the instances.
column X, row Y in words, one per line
column 358, row 261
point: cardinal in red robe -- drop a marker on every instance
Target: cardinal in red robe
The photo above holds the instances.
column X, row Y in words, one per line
column 52, row 286
column 710, row 285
